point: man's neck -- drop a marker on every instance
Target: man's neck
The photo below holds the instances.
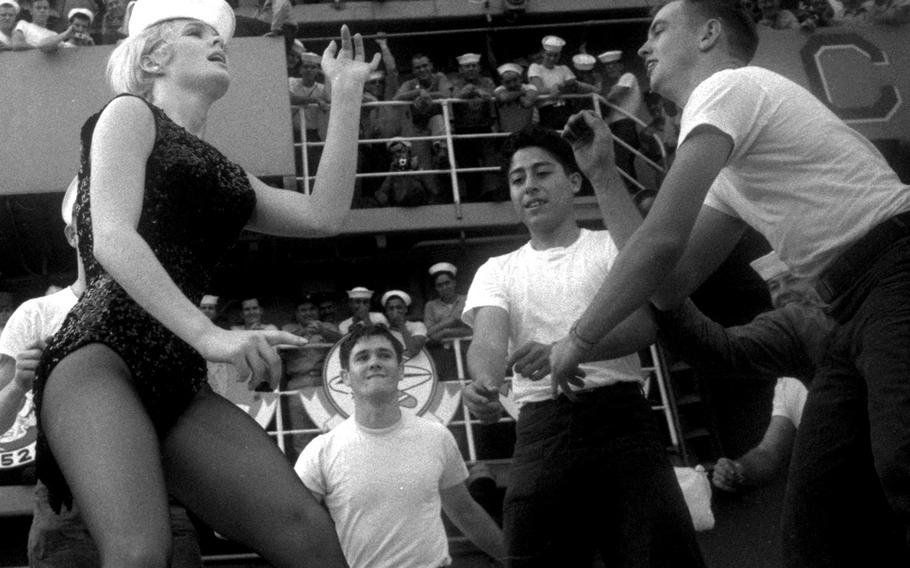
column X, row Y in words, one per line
column 561, row 236
column 376, row 416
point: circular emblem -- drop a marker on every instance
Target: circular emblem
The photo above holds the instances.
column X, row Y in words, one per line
column 17, row 445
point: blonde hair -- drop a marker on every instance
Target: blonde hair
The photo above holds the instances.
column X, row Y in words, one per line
column 125, row 73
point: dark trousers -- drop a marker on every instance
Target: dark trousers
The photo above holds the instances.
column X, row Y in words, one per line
column 848, row 493
column 593, row 476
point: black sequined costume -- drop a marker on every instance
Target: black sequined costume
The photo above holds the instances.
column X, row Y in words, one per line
column 196, row 203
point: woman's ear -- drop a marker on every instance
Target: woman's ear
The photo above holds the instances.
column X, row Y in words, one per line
column 150, row 65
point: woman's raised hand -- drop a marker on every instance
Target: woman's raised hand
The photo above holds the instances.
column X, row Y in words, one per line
column 348, row 62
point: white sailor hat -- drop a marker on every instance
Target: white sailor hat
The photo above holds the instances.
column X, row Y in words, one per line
column 13, row 3
column 397, row 140
column 311, row 58
column 769, row 266
column 552, row 43
column 360, row 293
column 208, row 299
column 468, row 58
column 509, row 68
column 442, row 267
column 610, row 56
column 69, row 200
column 583, row 61
column 405, row 297
column 377, row 75
column 84, row 11
column 217, row 13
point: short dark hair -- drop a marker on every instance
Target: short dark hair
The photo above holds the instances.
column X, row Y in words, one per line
column 739, row 24
column 539, row 137
column 361, row 332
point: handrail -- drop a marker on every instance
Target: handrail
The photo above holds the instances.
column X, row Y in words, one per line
column 449, row 137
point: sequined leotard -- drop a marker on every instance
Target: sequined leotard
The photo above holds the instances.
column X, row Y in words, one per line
column 196, row 203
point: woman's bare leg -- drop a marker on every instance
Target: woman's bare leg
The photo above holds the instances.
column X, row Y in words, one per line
column 223, row 466
column 108, row 451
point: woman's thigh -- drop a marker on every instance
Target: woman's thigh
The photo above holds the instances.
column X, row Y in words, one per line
column 107, row 449
column 226, row 469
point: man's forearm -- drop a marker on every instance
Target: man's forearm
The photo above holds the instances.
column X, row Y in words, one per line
column 635, row 333
column 620, row 215
column 486, row 366
column 12, row 397
column 766, row 346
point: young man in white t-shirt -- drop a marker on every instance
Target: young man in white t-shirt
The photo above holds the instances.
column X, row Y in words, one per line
column 588, row 475
column 756, row 149
column 385, row 475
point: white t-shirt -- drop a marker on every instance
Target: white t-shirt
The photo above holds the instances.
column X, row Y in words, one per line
column 558, row 75
column 33, row 33
column 544, row 292
column 798, row 174
column 37, row 318
column 416, row 328
column 382, row 489
column 375, row 317
column 789, row 399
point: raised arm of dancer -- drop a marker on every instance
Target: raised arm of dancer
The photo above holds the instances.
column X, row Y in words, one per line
column 292, row 214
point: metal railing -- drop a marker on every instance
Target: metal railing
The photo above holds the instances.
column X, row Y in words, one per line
column 655, row 374
column 449, row 137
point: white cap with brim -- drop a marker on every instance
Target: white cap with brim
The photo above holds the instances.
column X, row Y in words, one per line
column 13, row 3
column 84, row 11
column 217, row 13
column 405, row 297
column 443, row 267
column 397, row 140
column 311, row 58
column 610, row 56
column 552, row 43
column 583, row 61
column 769, row 266
column 468, row 58
column 69, row 201
column 208, row 299
column 509, row 68
column 360, row 293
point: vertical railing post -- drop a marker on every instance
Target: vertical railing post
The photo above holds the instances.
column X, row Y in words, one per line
column 450, row 149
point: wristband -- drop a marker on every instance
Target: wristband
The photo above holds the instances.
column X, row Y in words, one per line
column 578, row 339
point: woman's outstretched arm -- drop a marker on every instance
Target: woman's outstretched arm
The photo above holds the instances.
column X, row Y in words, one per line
column 292, row 214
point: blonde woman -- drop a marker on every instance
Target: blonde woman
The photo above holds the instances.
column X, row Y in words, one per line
column 125, row 414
